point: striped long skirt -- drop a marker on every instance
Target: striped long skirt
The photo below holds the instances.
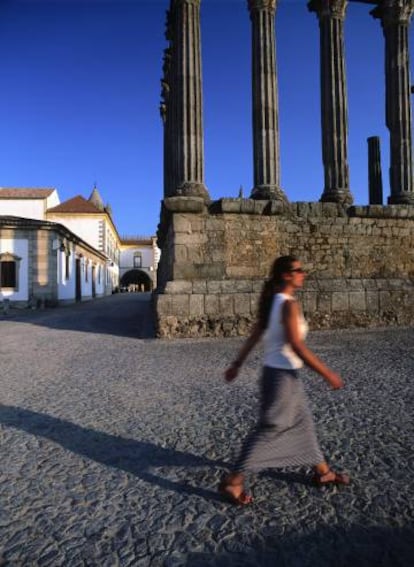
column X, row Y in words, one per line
column 285, row 435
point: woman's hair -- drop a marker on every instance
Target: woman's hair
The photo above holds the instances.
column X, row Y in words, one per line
column 280, row 266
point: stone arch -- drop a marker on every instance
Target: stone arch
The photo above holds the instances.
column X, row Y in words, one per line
column 137, row 278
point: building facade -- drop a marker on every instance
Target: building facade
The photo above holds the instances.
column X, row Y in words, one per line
column 43, row 263
column 139, row 257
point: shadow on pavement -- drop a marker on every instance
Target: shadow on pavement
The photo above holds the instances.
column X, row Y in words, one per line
column 327, row 546
column 129, row 455
column 124, row 315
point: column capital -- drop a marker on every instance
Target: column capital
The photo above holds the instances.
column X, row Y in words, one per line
column 392, row 12
column 262, row 5
column 328, row 8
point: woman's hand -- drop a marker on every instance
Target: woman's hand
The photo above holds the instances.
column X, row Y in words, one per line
column 231, row 373
column 334, row 380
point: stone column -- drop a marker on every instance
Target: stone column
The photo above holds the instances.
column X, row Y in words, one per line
column 334, row 113
column 395, row 16
column 374, row 171
column 184, row 120
column 266, row 154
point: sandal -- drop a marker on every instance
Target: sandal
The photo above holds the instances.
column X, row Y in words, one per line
column 241, row 499
column 337, row 478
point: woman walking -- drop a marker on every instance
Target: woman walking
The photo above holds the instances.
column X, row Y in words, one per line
column 285, row 434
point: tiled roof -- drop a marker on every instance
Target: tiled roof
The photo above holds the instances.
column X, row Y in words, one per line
column 24, row 193
column 77, row 204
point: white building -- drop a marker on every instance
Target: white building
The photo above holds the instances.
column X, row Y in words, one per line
column 92, row 221
column 27, row 203
column 93, row 257
column 138, row 263
column 44, row 263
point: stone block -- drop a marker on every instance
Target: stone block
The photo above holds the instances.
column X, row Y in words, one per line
column 197, row 305
column 215, row 224
column 230, row 205
column 309, row 302
column 195, row 254
column 182, row 223
column 372, row 300
column 324, row 302
column 179, row 287
column 340, row 301
column 247, row 206
column 396, row 283
column 369, row 284
column 185, row 204
column 276, row 207
column 242, row 303
column 227, row 286
column 199, row 286
column 163, row 304
column 332, row 284
column 357, row 301
column 355, row 284
column 180, row 253
column 254, row 303
column 189, row 271
column 382, row 284
column 257, row 286
column 311, row 285
column 211, row 304
column 180, row 305
column 259, row 206
column 214, row 286
column 190, row 239
column 226, row 304
column 243, row 286
column 236, row 286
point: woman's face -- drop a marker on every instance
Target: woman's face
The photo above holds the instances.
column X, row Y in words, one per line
column 296, row 275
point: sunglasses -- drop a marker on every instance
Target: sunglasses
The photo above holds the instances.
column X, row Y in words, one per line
column 297, row 270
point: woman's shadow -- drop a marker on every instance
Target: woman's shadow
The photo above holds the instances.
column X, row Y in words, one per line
column 129, row 455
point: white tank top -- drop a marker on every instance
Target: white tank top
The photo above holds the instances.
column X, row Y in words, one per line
column 277, row 352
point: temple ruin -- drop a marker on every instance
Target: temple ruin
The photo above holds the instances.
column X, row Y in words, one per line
column 216, row 254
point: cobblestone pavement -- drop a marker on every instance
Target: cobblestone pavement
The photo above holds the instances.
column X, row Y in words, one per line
column 112, row 448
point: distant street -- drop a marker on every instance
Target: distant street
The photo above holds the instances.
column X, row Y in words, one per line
column 121, row 314
column 112, row 447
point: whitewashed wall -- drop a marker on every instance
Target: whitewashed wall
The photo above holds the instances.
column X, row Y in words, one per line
column 127, row 257
column 86, row 228
column 66, row 287
column 27, row 208
column 20, row 248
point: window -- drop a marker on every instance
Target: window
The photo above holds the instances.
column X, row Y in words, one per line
column 9, row 271
column 86, row 270
column 138, row 260
column 67, row 256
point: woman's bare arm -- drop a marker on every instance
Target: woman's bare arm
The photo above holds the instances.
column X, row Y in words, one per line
column 290, row 319
column 249, row 344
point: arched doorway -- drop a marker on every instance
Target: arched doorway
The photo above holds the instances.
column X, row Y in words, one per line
column 136, row 280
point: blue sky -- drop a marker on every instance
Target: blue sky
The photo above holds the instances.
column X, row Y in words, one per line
column 81, row 91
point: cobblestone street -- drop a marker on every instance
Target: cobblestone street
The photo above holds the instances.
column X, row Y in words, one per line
column 112, row 447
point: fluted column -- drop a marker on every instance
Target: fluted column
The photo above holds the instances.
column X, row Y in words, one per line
column 181, row 105
column 334, row 112
column 395, row 16
column 266, row 153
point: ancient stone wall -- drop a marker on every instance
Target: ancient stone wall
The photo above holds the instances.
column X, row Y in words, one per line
column 360, row 263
